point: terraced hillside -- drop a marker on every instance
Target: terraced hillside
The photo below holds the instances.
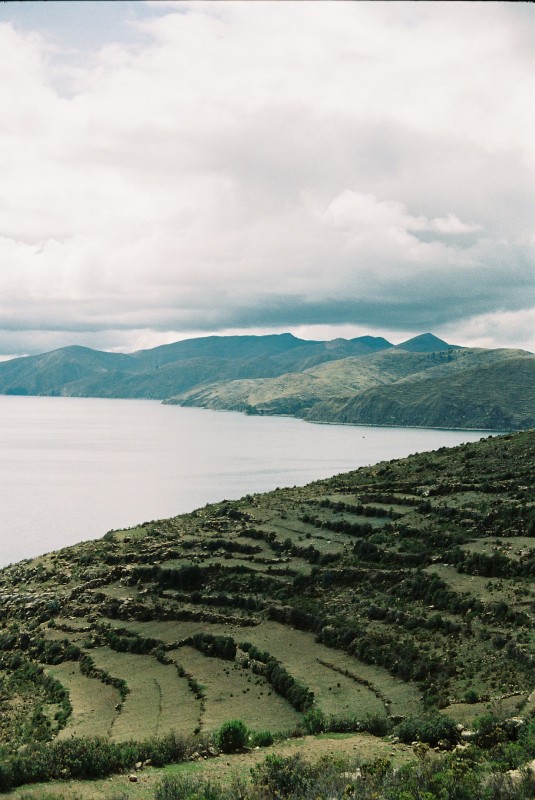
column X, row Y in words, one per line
column 375, row 594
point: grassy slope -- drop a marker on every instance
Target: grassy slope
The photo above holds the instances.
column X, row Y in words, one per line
column 362, row 747
column 169, row 369
column 486, row 389
column 490, row 396
column 297, row 392
column 430, row 602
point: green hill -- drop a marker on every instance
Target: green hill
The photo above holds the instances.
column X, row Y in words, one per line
column 167, row 370
column 484, row 393
column 421, row 382
column 456, row 388
column 377, row 595
column 425, row 343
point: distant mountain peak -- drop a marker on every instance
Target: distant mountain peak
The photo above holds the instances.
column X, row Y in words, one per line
column 425, row 343
column 378, row 342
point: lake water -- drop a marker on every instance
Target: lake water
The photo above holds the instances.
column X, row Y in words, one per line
column 72, row 469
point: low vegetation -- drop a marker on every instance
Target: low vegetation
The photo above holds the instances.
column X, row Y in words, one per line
column 445, row 388
column 396, row 601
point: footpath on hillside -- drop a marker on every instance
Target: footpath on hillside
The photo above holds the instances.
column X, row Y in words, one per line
column 362, row 747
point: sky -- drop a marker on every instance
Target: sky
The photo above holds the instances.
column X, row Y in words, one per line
column 177, row 169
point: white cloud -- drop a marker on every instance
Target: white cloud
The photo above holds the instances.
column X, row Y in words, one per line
column 452, row 224
column 500, row 329
column 247, row 165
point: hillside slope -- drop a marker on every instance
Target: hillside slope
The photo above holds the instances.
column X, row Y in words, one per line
column 462, row 388
column 387, row 591
column 497, row 395
column 170, row 369
column 421, row 382
column 294, row 393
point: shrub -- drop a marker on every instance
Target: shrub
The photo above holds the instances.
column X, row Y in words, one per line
column 215, row 646
column 376, row 724
column 84, row 758
column 186, row 787
column 314, row 721
column 261, row 739
column 6, row 777
column 471, row 696
column 431, row 730
column 280, row 776
column 231, row 736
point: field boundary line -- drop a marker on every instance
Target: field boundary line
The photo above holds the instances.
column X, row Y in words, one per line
column 358, row 679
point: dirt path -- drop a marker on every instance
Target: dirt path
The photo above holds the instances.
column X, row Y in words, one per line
column 359, row 746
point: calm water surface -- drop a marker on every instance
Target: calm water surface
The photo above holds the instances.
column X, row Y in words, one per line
column 72, row 469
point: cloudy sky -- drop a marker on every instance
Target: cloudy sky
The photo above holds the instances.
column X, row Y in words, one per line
column 326, row 168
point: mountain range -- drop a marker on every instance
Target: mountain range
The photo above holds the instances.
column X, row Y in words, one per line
column 367, row 380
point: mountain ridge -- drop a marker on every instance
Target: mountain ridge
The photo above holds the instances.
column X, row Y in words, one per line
column 343, row 380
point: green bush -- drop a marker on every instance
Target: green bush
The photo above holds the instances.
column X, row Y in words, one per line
column 314, row 721
column 296, row 778
column 261, row 739
column 231, row 736
column 376, row 724
column 186, row 787
column 471, row 696
column 431, row 730
column 84, row 758
column 215, row 646
column 280, row 776
column 492, row 730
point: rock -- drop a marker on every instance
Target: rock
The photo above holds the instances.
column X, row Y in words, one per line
column 139, row 765
column 133, row 778
column 515, row 775
column 467, row 735
column 353, row 776
column 515, row 722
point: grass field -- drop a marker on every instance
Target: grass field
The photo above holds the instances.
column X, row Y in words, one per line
column 303, row 657
column 360, row 747
column 484, row 588
column 228, row 687
column 466, row 713
column 159, row 700
column 513, row 549
column 93, row 702
column 306, row 660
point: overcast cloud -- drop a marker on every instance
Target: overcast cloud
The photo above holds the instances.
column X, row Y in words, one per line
column 173, row 169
